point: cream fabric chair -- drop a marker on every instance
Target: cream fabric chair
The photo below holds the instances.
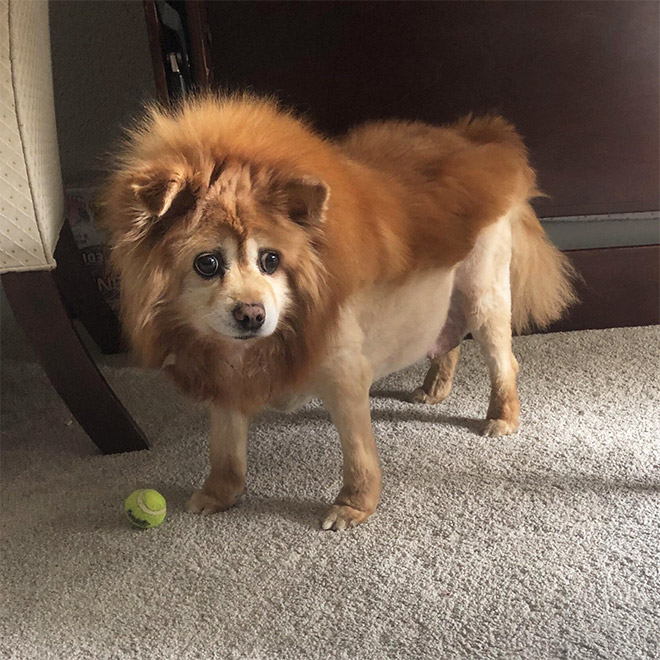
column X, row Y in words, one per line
column 39, row 261
column 32, row 203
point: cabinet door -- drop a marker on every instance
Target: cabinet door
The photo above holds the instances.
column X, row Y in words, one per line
column 579, row 79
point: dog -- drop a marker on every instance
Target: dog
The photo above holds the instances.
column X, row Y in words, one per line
column 262, row 264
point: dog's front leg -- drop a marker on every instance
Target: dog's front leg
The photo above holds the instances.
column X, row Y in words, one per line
column 345, row 394
column 228, row 449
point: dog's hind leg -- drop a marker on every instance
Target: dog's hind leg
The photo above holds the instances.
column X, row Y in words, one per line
column 444, row 354
column 487, row 284
column 494, row 338
column 483, row 293
column 439, row 378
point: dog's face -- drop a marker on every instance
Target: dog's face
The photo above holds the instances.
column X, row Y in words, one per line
column 232, row 248
column 236, row 286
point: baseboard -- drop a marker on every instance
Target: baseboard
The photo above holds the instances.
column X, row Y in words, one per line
column 588, row 232
column 620, row 287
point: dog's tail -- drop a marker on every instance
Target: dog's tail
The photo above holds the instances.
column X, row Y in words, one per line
column 541, row 276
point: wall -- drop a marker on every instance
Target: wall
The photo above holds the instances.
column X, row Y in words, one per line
column 102, row 75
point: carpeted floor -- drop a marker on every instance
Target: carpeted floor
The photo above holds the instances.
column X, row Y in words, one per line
column 545, row 544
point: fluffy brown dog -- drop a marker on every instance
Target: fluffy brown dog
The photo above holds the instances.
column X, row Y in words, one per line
column 262, row 264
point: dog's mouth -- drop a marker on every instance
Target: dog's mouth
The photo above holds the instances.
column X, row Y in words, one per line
column 247, row 336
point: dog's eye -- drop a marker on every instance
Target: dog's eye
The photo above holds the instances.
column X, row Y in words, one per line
column 269, row 261
column 207, row 264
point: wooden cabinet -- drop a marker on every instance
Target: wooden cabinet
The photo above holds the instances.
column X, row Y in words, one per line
column 579, row 79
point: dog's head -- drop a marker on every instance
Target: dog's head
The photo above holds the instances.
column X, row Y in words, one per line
column 222, row 249
column 220, row 215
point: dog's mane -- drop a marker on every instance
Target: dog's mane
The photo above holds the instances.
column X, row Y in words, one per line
column 190, row 142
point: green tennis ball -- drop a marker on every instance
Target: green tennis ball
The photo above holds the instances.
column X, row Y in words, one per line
column 145, row 508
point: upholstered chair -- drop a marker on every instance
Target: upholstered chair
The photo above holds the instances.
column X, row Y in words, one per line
column 42, row 271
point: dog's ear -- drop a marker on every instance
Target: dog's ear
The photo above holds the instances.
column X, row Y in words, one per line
column 307, row 200
column 160, row 192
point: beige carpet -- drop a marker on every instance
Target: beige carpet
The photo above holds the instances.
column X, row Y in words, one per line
column 545, row 544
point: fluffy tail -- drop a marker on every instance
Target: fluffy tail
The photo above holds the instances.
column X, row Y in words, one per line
column 541, row 276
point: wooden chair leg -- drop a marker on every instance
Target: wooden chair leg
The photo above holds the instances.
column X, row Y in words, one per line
column 82, row 295
column 40, row 311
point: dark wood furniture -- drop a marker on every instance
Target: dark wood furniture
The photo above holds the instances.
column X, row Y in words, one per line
column 579, row 79
column 620, row 287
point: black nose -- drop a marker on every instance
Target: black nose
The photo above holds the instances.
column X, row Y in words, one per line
column 250, row 316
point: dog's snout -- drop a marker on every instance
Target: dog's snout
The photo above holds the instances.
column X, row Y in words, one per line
column 250, row 316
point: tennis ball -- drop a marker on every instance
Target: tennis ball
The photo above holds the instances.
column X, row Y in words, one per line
column 145, row 508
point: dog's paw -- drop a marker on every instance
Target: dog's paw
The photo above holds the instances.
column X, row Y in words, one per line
column 339, row 517
column 497, row 427
column 420, row 396
column 205, row 504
